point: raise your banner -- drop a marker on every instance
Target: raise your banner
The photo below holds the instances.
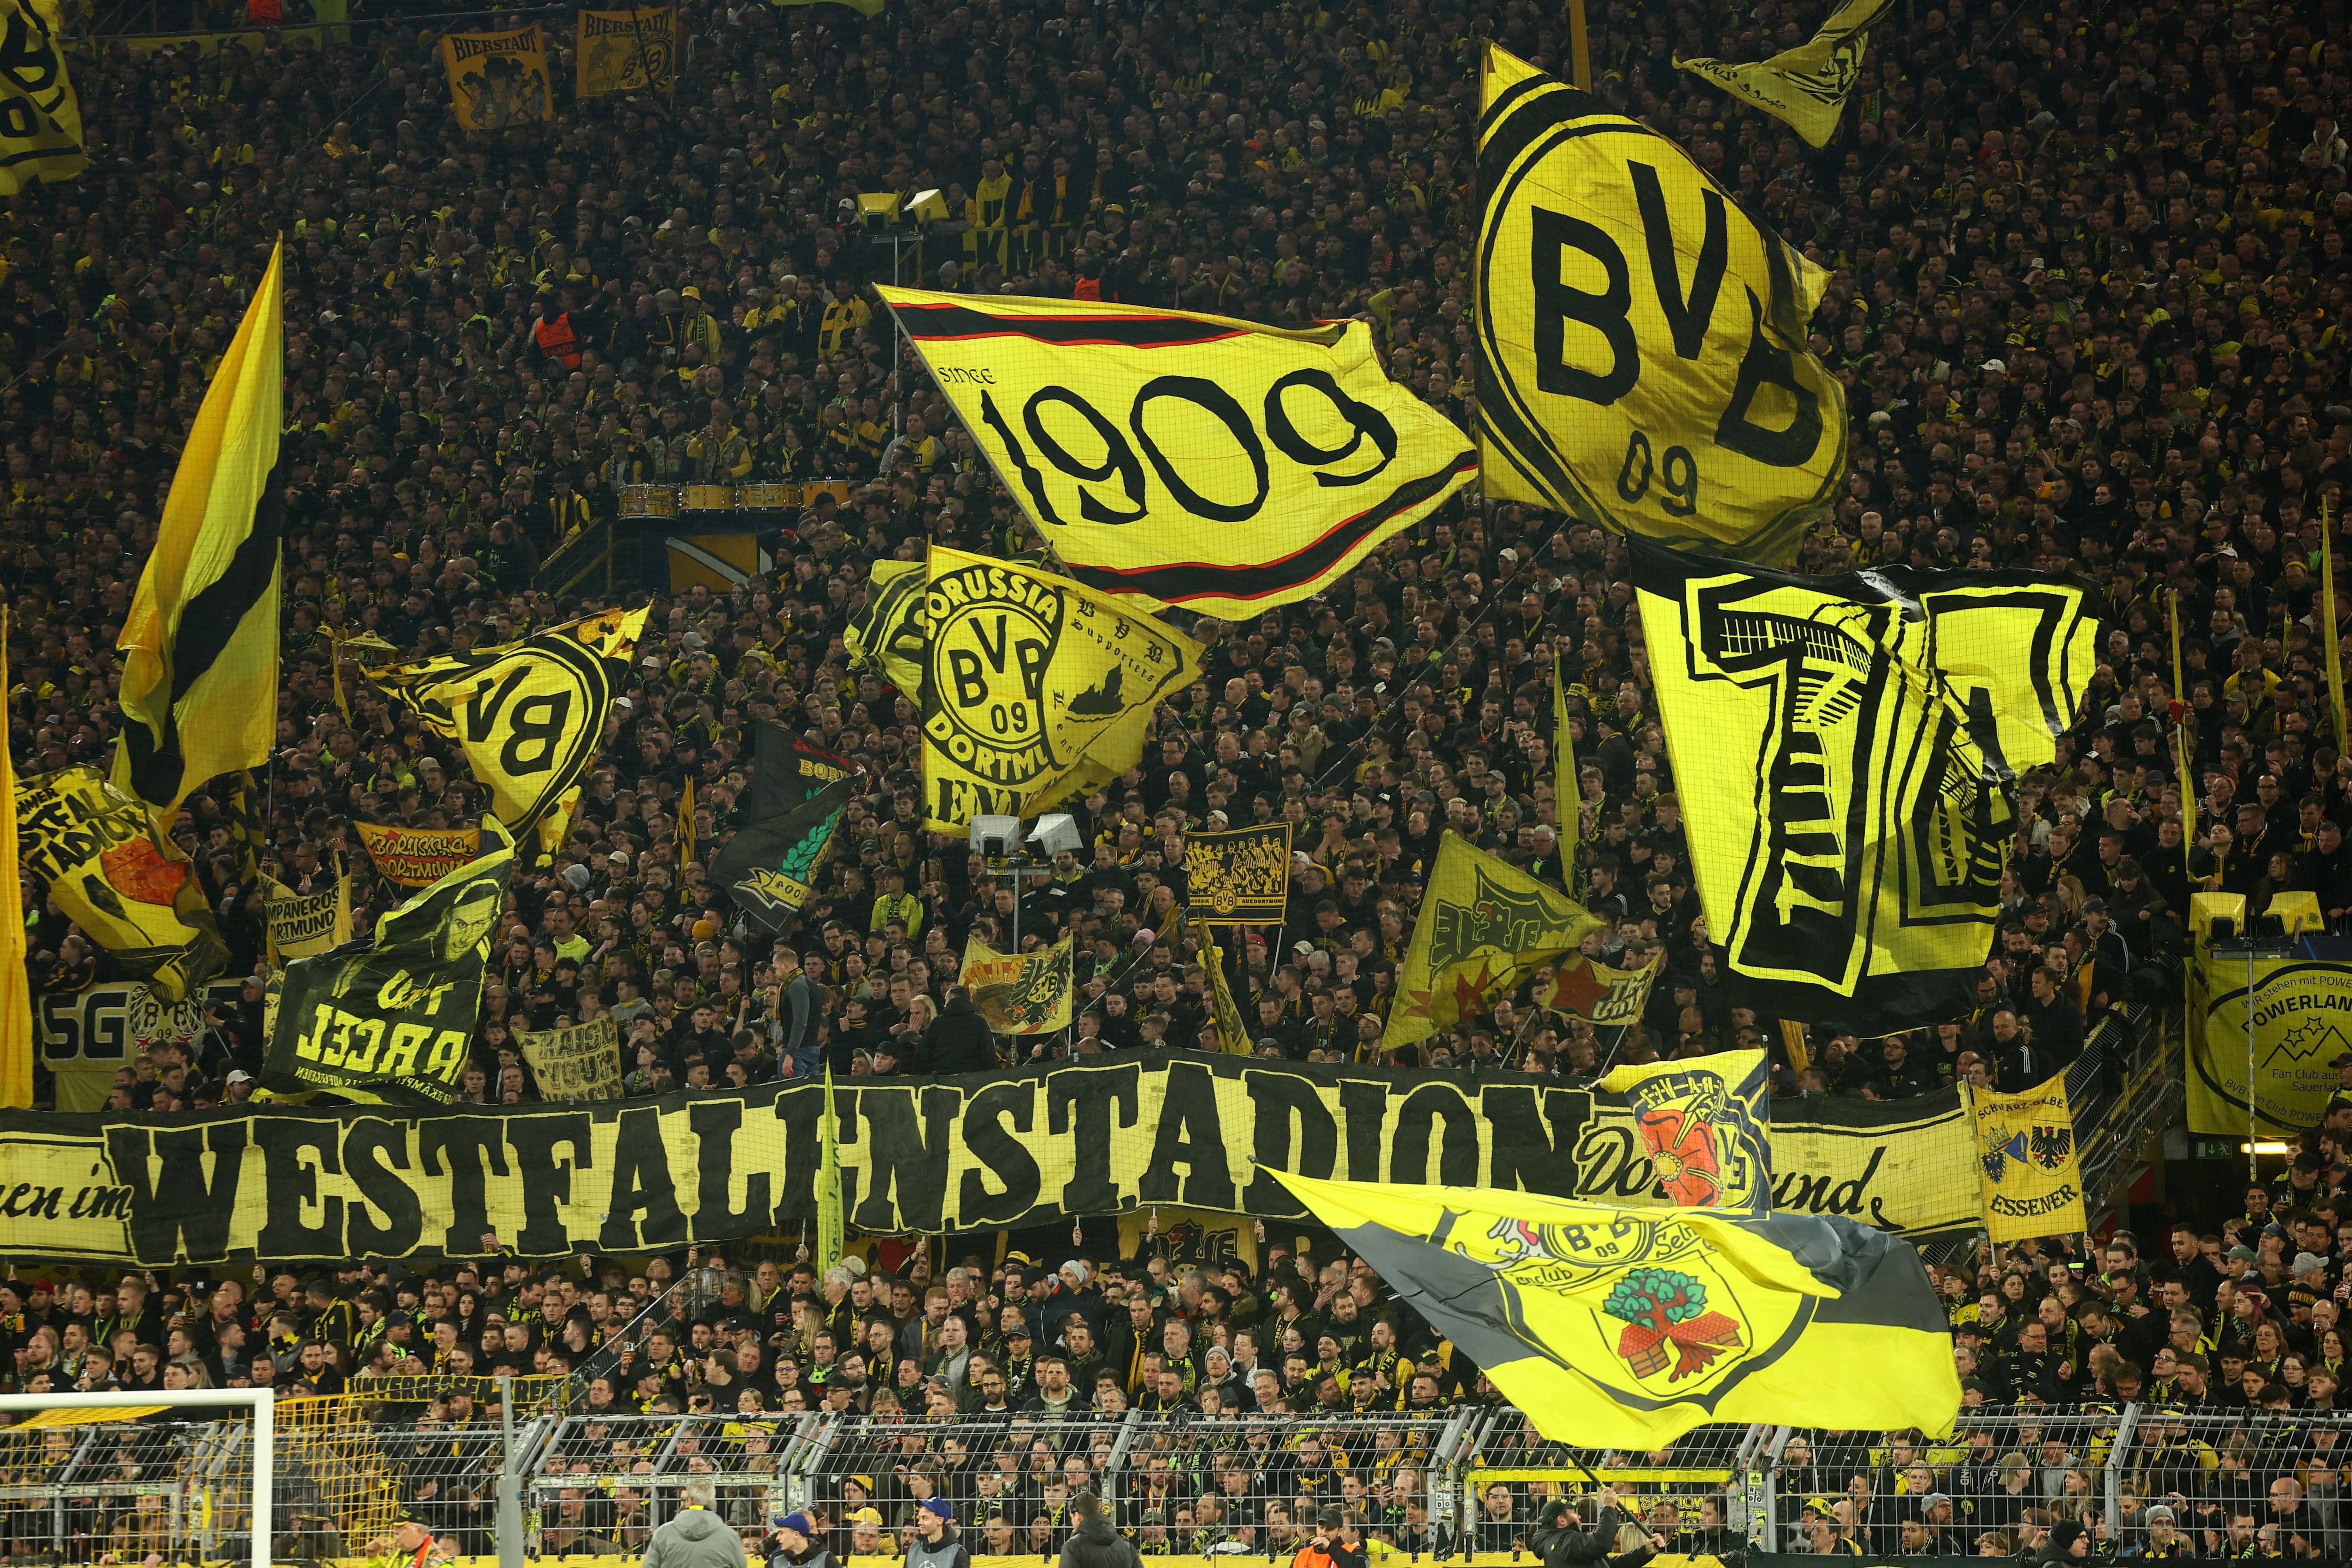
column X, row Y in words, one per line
column 987, row 1151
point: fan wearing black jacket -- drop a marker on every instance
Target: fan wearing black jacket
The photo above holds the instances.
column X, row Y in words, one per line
column 1560, row 1539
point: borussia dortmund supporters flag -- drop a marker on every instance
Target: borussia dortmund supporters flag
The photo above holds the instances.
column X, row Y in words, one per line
column 1704, row 1123
column 1189, row 459
column 2279, row 1083
column 529, row 715
column 789, row 816
column 1643, row 360
column 304, row 925
column 1020, row 993
column 626, row 51
column 1232, row 1033
column 200, row 645
column 1483, row 928
column 497, row 81
column 886, row 636
column 2025, row 1149
column 1806, row 85
column 389, row 1020
column 40, row 130
column 418, row 857
column 1617, row 1328
column 117, row 876
column 1033, row 689
column 1844, row 749
column 1240, row 877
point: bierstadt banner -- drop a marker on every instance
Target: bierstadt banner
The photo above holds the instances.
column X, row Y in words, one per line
column 1240, row 877
column 1034, row 689
column 627, row 51
column 1020, row 993
column 1701, row 1121
column 497, row 80
column 390, row 1020
column 304, row 925
column 99, row 854
column 583, row 1062
column 2025, row 1145
column 1186, row 460
column 1605, row 996
column 788, row 819
column 2302, row 1017
column 1232, row 1032
column 1613, row 387
column 529, row 715
column 986, row 1152
column 86, row 1037
column 1483, row 928
column 1845, row 751
column 1620, row 1328
column 41, row 119
column 1805, row 87
column 885, row 635
column 418, row 857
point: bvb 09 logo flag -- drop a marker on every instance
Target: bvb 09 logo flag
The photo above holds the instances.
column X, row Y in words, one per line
column 1034, row 687
column 626, row 51
column 1644, row 361
column 40, row 119
column 1845, row 748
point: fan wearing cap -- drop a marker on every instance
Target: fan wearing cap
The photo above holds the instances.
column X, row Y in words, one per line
column 935, row 1544
column 794, row 1540
column 1617, row 1536
column 408, row 1545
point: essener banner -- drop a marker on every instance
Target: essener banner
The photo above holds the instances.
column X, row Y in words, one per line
column 2025, row 1150
column 1172, row 1129
column 2302, row 1011
column 418, row 857
column 1240, row 877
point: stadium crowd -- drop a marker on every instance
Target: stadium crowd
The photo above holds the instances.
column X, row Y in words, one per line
column 2090, row 305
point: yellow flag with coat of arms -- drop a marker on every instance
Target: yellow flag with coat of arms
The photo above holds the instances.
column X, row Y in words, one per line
column 2025, row 1151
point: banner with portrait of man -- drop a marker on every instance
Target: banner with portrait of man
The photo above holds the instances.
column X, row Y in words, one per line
column 1240, row 877
column 497, row 80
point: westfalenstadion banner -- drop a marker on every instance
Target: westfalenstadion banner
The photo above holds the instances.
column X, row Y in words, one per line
column 1176, row 1129
column 2301, row 1021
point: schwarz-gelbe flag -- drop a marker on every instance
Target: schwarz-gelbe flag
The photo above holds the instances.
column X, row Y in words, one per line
column 1643, row 360
column 389, row 1020
column 1483, row 926
column 200, row 645
column 1189, row 459
column 1034, row 688
column 1020, row 993
column 1240, row 877
column 2025, row 1150
column 41, row 119
column 788, row 818
column 1624, row 1327
column 626, row 51
column 529, row 715
column 497, row 80
column 1705, row 1125
column 1806, row 85
column 1845, row 750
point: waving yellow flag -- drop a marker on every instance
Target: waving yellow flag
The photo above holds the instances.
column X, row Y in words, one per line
column 1805, row 86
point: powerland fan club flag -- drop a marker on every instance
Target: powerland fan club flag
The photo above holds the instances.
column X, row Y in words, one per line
column 1845, row 748
column 200, row 645
column 1240, row 877
column 1807, row 86
column 1643, row 360
column 98, row 853
column 1625, row 1327
column 389, row 1020
column 1187, row 460
column 1483, row 928
column 41, row 119
column 1034, row 688
column 1020, row 993
column 790, row 815
column 529, row 715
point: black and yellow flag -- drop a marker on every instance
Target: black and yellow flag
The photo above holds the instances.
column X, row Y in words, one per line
column 389, row 1020
column 200, row 645
column 1844, row 749
column 529, row 715
column 2025, row 1150
column 1189, row 459
column 885, row 636
column 1806, row 85
column 1232, row 1032
column 117, row 876
column 1024, row 993
column 1240, row 877
column 1705, row 1124
column 685, row 824
column 16, row 980
column 1484, row 926
column 1034, row 689
column 1643, row 360
column 1625, row 1327
column 497, row 80
column 41, row 119
column 627, row 51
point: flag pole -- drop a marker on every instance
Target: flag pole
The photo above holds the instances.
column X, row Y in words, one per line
column 2180, row 736
column 1580, row 45
column 2331, row 630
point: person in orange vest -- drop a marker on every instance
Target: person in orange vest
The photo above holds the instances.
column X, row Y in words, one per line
column 552, row 330
column 1338, row 1543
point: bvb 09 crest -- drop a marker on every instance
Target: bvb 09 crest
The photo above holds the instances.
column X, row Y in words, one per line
column 1666, row 1314
column 992, row 635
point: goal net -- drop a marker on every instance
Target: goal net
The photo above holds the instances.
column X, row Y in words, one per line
column 85, row 1477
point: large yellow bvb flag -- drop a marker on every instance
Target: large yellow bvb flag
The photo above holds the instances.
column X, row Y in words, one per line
column 200, row 645
column 1626, row 1328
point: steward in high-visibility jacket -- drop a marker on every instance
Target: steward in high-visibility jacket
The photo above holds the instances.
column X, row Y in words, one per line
column 556, row 339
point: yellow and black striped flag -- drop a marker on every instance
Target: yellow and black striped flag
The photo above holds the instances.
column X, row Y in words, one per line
column 200, row 646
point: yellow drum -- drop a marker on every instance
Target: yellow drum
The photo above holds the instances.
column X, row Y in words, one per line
column 648, row 501
column 707, row 498
column 837, row 488
column 768, row 498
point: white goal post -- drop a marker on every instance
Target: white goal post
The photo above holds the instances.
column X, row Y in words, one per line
column 262, row 1455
